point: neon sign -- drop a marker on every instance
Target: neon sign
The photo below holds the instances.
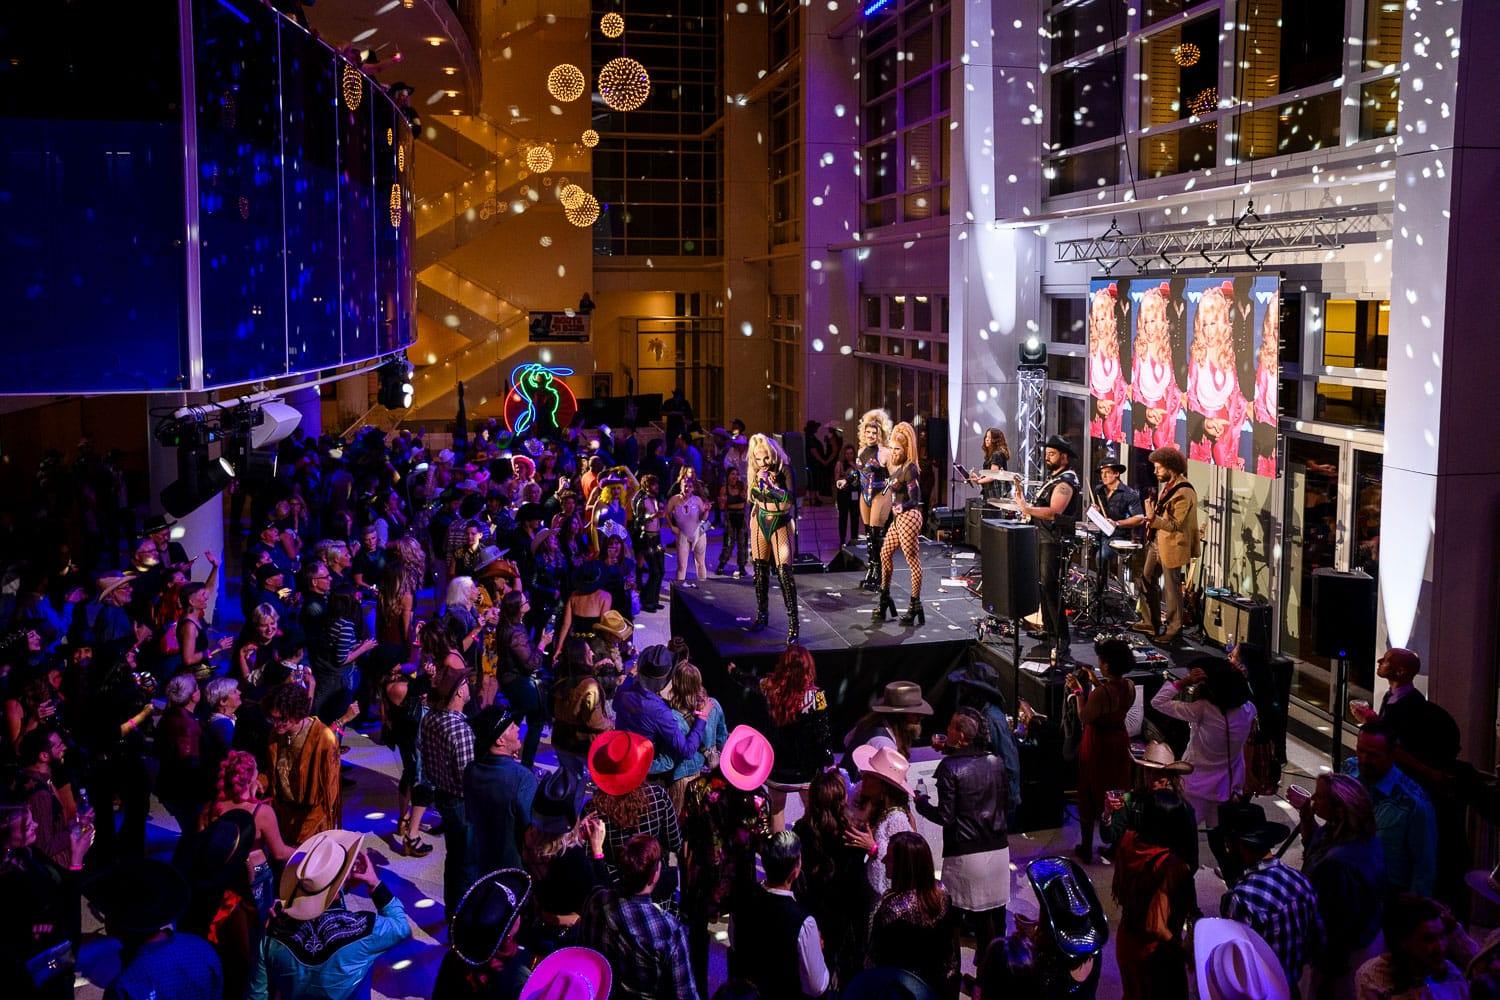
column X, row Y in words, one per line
column 539, row 400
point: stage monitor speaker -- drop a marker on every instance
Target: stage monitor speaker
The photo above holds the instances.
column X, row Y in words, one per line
column 1009, row 561
column 974, row 521
column 1231, row 618
column 1343, row 615
column 795, row 446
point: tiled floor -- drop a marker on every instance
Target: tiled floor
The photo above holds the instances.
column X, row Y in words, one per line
column 408, row 971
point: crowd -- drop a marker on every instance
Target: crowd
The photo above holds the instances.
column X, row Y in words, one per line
column 465, row 605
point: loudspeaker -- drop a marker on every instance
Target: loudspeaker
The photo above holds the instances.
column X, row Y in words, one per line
column 974, row 521
column 1008, row 557
column 1343, row 615
column 1231, row 618
column 795, row 446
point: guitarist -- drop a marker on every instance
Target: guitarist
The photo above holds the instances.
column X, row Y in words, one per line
column 1172, row 525
column 1059, row 503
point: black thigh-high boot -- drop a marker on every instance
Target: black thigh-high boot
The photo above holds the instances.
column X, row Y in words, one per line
column 789, row 596
column 874, row 538
column 762, row 593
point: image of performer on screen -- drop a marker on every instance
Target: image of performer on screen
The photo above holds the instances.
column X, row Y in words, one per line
column 1107, row 385
column 772, row 522
column 1172, row 522
column 996, row 459
column 1059, row 503
column 903, row 486
column 1267, row 368
column 1153, row 382
column 874, row 502
column 1213, row 381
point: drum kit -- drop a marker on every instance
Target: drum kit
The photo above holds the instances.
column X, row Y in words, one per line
column 1095, row 587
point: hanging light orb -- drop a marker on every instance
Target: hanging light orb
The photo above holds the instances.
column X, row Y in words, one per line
column 1204, row 102
column 539, row 158
column 390, row 137
column 584, row 213
column 395, row 206
column 401, row 158
column 354, row 87
column 612, row 25
column 624, row 84
column 566, row 82
column 590, row 138
column 571, row 195
column 1187, row 54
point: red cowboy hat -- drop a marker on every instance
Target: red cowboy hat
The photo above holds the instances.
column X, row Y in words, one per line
column 618, row 761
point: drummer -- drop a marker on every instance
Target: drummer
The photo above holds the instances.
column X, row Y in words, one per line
column 1122, row 507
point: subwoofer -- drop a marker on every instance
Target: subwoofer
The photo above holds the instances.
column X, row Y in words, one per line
column 1009, row 561
column 1343, row 615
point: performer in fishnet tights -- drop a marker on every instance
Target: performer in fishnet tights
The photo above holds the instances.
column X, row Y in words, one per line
column 905, row 528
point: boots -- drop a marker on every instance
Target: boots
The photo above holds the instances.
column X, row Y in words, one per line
column 886, row 605
column 873, row 538
column 762, row 593
column 915, row 615
column 789, row 595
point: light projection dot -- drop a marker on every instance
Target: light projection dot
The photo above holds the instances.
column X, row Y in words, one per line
column 816, row 265
column 846, row 350
column 817, row 344
column 562, row 271
column 545, row 241
column 747, row 329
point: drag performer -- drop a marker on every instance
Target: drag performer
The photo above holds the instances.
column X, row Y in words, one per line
column 772, row 524
column 874, row 502
column 905, row 528
column 647, row 514
column 1058, row 505
column 687, row 512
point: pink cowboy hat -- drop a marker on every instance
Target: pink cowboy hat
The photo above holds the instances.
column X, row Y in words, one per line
column 747, row 759
column 570, row 974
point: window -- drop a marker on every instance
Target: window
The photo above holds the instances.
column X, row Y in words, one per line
column 904, row 108
column 786, row 164
column 903, row 350
column 786, row 360
column 1356, row 334
column 1180, row 72
column 1084, row 27
column 1086, row 103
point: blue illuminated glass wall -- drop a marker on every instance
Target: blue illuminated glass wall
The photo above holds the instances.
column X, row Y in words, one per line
column 304, row 199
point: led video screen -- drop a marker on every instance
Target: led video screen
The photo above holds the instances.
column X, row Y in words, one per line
column 1190, row 361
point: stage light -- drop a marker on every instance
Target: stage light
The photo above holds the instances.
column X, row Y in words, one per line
column 395, row 391
column 275, row 421
column 1033, row 353
column 200, row 478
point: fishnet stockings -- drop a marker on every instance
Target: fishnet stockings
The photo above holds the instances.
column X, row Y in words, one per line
column 903, row 531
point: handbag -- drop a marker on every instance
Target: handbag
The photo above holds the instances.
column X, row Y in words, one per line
column 1260, row 762
column 50, row 964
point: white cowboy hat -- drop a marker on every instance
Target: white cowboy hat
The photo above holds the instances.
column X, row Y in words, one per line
column 883, row 763
column 1235, row 963
column 315, row 874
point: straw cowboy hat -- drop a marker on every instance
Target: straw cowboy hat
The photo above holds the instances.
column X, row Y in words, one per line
column 747, row 759
column 570, row 974
column 317, row 872
column 1159, row 757
column 615, row 625
column 111, row 581
column 1235, row 963
column 882, row 762
column 618, row 761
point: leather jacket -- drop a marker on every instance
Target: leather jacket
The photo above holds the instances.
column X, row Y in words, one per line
column 972, row 792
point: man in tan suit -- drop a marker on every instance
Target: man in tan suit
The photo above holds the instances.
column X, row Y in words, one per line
column 1172, row 522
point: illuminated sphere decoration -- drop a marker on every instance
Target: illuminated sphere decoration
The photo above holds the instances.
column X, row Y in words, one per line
column 401, row 158
column 1204, row 102
column 395, row 206
column 539, row 158
column 584, row 212
column 566, row 82
column 624, row 84
column 390, row 137
column 354, row 87
column 612, row 25
column 590, row 138
column 571, row 195
column 1187, row 54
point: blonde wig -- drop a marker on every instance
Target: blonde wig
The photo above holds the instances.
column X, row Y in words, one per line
column 881, row 419
column 757, row 441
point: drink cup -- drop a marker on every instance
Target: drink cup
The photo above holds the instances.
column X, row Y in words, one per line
column 1297, row 796
column 939, row 741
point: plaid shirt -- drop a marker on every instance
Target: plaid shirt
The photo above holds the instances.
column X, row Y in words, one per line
column 1280, row 905
column 646, row 947
column 658, row 819
column 447, row 745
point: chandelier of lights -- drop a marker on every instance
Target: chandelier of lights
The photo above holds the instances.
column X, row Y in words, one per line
column 395, row 206
column 539, row 157
column 354, row 87
column 566, row 82
column 590, row 138
column 1187, row 54
column 612, row 25
column 624, row 84
column 583, row 212
column 571, row 195
column 1204, row 101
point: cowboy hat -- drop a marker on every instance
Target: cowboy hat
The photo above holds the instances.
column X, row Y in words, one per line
column 444, row 457
column 886, row 982
column 655, row 668
column 884, row 763
column 540, row 539
column 488, row 914
column 618, row 761
column 219, row 852
column 1069, row 906
column 155, row 523
column 315, row 874
column 1486, row 883
column 747, row 759
column 1118, row 467
column 1059, row 443
column 570, row 974
column 531, row 512
column 446, row 684
column 554, row 809
column 140, row 896
column 491, row 562
column 267, row 571
column 586, row 580
column 490, row 723
column 111, row 581
column 1264, row 836
column 615, row 625
column 1235, row 963
column 1159, row 757
column 901, row 696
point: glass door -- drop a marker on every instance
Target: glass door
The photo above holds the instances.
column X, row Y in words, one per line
column 1313, row 540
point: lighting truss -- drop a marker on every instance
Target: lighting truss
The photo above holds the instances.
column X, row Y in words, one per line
column 1031, row 420
column 1210, row 246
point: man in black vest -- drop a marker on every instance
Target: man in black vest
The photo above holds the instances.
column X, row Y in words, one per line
column 770, row 928
column 1058, row 505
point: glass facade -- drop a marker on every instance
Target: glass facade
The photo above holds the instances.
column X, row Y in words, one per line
column 903, row 352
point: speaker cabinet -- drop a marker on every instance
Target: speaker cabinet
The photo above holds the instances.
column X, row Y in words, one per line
column 1230, row 618
column 974, row 521
column 1008, row 558
column 1343, row 615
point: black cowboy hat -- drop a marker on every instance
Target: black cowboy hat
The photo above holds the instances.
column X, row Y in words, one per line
column 1060, row 443
column 140, row 896
column 488, row 913
column 587, row 578
column 554, row 810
